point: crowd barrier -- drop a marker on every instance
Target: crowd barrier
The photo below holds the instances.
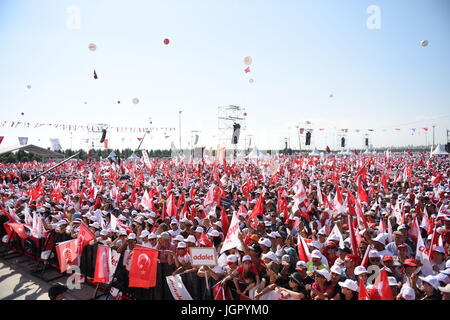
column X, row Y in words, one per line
column 33, row 248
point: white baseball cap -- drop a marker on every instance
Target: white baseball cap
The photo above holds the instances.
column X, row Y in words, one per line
column 181, row 245
column 199, row 229
column 144, row 234
column 408, row 293
column 431, row 280
column 246, row 258
column 132, row 236
column 316, row 254
column 191, row 239
column 152, row 236
column 265, row 242
column 336, row 269
column 324, row 273
column 270, row 255
column 349, row 284
column 360, row 270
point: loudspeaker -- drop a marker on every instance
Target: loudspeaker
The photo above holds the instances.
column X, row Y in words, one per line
column 342, row 142
column 367, row 142
column 308, row 138
column 236, row 132
column 103, row 136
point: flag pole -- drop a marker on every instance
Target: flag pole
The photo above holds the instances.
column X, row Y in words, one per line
column 57, row 165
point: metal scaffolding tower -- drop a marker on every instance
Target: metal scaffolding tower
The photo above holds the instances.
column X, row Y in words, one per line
column 227, row 117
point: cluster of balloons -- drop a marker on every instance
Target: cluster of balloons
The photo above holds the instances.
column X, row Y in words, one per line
column 248, row 61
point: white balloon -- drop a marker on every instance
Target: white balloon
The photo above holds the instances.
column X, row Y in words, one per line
column 92, row 46
column 248, row 60
column 135, row 100
column 424, row 43
column 28, row 86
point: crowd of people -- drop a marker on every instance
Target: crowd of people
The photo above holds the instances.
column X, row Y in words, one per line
column 310, row 227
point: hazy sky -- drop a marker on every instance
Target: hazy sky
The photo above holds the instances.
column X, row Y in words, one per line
column 372, row 62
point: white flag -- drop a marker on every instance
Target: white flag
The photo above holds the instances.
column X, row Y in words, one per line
column 421, row 255
column 232, row 240
column 335, row 231
column 177, row 288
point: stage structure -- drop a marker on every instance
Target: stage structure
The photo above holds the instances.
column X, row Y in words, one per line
column 231, row 126
column 95, row 132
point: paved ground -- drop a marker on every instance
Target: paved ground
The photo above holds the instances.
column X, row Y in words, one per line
column 17, row 282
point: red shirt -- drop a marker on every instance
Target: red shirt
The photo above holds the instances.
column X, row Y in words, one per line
column 242, row 272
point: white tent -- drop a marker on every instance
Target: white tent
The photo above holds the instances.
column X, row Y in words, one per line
column 133, row 156
column 112, row 155
column 255, row 153
column 315, row 152
column 31, row 148
column 440, row 149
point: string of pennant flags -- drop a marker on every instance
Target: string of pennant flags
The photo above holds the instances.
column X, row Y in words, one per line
column 75, row 127
column 346, row 130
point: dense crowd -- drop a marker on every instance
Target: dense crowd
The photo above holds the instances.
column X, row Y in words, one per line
column 311, row 227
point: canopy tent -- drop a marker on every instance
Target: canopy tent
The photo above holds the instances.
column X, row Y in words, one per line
column 112, row 155
column 440, row 149
column 255, row 153
column 31, row 148
column 315, row 152
column 346, row 153
column 133, row 156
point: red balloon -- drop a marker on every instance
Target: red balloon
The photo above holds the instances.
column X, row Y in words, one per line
column 166, row 41
column 22, row 113
column 245, row 114
column 118, row 102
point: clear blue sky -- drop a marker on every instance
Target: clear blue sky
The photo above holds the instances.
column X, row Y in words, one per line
column 302, row 52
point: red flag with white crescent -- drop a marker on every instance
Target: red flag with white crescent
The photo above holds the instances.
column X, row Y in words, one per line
column 67, row 254
column 85, row 235
column 102, row 264
column 143, row 267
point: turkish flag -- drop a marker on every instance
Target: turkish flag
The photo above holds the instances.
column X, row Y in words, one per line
column 17, row 228
column 224, row 220
column 102, row 265
column 303, row 251
column 381, row 289
column 205, row 241
column 85, row 235
column 105, row 143
column 1, row 139
column 143, row 267
column 362, row 193
column 247, row 70
column 362, row 295
column 67, row 254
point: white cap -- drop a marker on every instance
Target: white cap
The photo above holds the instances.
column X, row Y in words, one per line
column 392, row 281
column 246, row 258
column 349, row 284
column 265, row 242
column 324, row 273
column 181, row 245
column 144, row 234
column 374, row 254
column 214, row 233
column 336, row 269
column 316, row 254
column 270, row 255
column 439, row 249
column 382, row 237
column 104, row 232
column 152, row 236
column 199, row 229
column 360, row 270
column 191, row 239
column 408, row 293
column 231, row 258
column 322, row 231
column 179, row 238
column 431, row 280
column 132, row 236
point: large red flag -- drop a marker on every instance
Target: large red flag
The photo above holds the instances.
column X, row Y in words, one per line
column 102, row 264
column 85, row 235
column 205, row 241
column 17, row 228
column 66, row 252
column 381, row 289
column 143, row 267
column 362, row 194
column 224, row 220
column 362, row 295
column 303, row 251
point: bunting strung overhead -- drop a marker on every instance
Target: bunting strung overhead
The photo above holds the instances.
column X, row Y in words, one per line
column 75, row 127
